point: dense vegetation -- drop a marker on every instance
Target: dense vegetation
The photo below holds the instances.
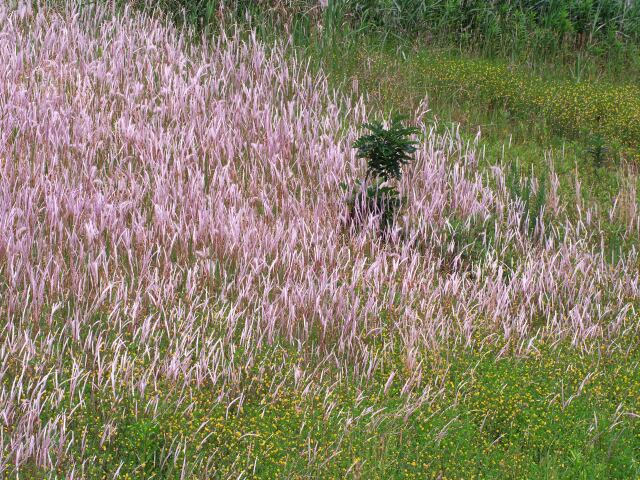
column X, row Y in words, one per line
column 531, row 23
column 182, row 292
column 606, row 32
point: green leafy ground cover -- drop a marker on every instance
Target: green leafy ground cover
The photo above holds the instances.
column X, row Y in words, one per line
column 554, row 413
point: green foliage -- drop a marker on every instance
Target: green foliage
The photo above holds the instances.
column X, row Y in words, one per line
column 523, row 28
column 598, row 150
column 386, row 150
column 532, row 203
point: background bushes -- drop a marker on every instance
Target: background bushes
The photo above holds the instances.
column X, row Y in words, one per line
column 593, row 37
column 508, row 26
column 493, row 25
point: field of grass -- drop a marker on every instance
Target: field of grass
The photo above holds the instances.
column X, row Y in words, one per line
column 183, row 295
column 564, row 107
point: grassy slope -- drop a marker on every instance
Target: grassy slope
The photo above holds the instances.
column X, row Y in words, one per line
column 504, row 418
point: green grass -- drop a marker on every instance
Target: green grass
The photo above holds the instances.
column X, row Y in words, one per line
column 503, row 99
column 555, row 413
column 563, row 31
column 561, row 107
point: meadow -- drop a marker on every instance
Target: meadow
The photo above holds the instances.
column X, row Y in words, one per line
column 183, row 294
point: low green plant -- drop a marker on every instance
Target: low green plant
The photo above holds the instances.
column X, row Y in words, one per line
column 567, row 31
column 386, row 150
column 469, row 240
column 532, row 202
column 598, row 150
column 140, row 443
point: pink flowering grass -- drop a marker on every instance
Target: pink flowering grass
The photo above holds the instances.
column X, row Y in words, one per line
column 170, row 209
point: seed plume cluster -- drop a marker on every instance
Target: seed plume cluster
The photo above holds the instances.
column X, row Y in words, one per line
column 170, row 209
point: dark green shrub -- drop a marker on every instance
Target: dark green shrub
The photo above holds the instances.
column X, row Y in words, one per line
column 386, row 152
column 598, row 150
